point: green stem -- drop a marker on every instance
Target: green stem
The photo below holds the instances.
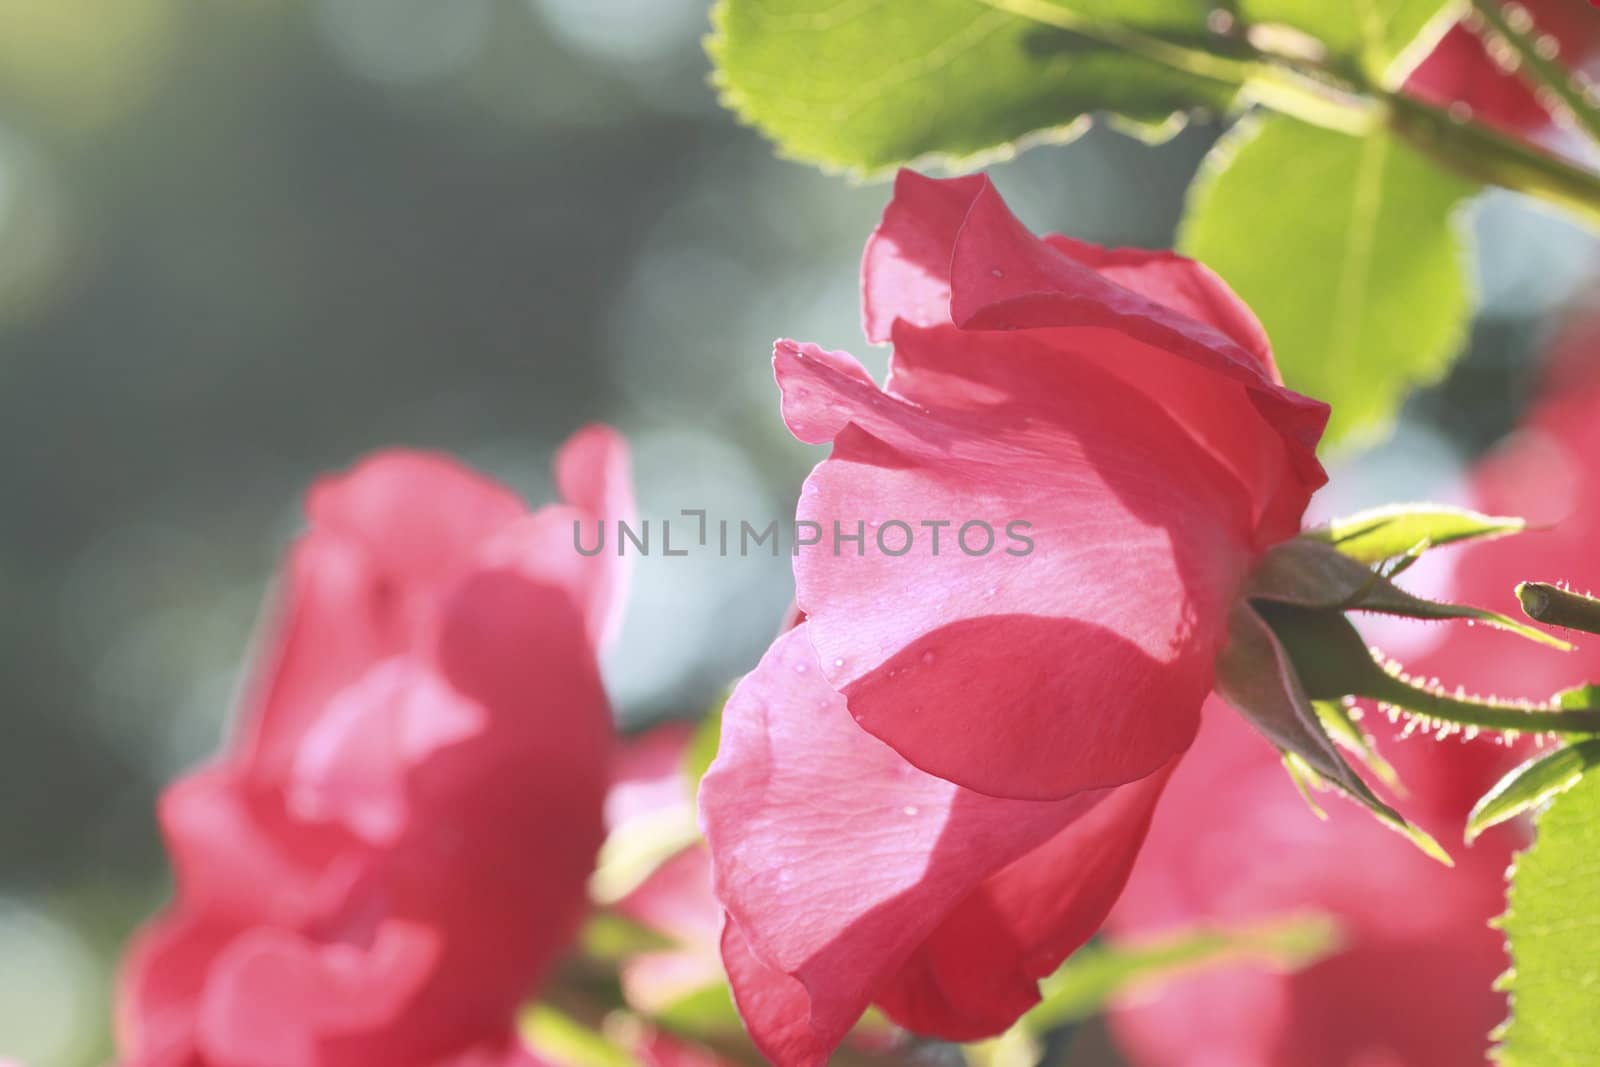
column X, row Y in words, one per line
column 1475, row 151
column 1483, row 714
column 1538, row 59
column 1555, row 606
column 1458, row 143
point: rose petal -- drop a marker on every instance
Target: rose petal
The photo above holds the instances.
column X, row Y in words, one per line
column 275, row 1000
column 160, row 984
column 834, row 858
column 905, row 273
column 593, row 474
column 1095, row 648
column 979, row 971
column 1004, row 278
column 375, row 505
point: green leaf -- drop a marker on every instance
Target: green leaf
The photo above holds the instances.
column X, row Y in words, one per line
column 1578, row 698
column 1531, row 784
column 1017, row 1047
column 1343, row 728
column 703, row 746
column 558, row 1038
column 1308, row 572
column 609, row 936
column 1258, row 678
column 1380, row 40
column 866, row 85
column 1099, row 971
column 1554, row 934
column 1388, row 532
column 707, row 1011
column 1347, row 248
column 638, row 847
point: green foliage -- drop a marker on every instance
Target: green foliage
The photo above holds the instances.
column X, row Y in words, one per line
column 609, row 936
column 704, row 1012
column 1578, row 698
column 637, row 848
column 866, row 85
column 1376, row 40
column 703, row 747
column 1531, row 784
column 1386, row 533
column 1554, row 934
column 559, row 1038
column 1347, row 248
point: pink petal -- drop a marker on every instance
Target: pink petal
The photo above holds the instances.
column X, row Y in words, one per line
column 352, row 764
column 834, row 858
column 380, row 505
column 240, row 858
column 1177, row 282
column 274, row 1000
column 905, row 273
column 1004, row 278
column 1094, row 650
column 593, row 474
column 335, row 614
column 978, row 972
column 159, row 986
column 950, row 252
column 651, row 774
column 776, row 1009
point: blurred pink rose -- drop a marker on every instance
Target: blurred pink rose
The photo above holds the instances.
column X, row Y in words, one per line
column 388, row 855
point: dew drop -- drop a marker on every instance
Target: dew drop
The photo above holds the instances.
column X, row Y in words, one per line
column 838, row 662
column 1220, row 21
column 910, row 809
column 998, row 273
column 801, row 668
column 927, row 658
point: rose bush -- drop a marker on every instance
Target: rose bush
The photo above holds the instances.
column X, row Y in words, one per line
column 391, row 850
column 929, row 793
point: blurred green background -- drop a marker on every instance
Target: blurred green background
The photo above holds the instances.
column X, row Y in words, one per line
column 245, row 241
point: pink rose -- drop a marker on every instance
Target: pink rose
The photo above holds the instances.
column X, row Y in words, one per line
column 386, row 858
column 929, row 793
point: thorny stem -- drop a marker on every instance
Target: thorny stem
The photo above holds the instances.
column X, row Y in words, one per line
column 1483, row 714
column 1512, row 27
